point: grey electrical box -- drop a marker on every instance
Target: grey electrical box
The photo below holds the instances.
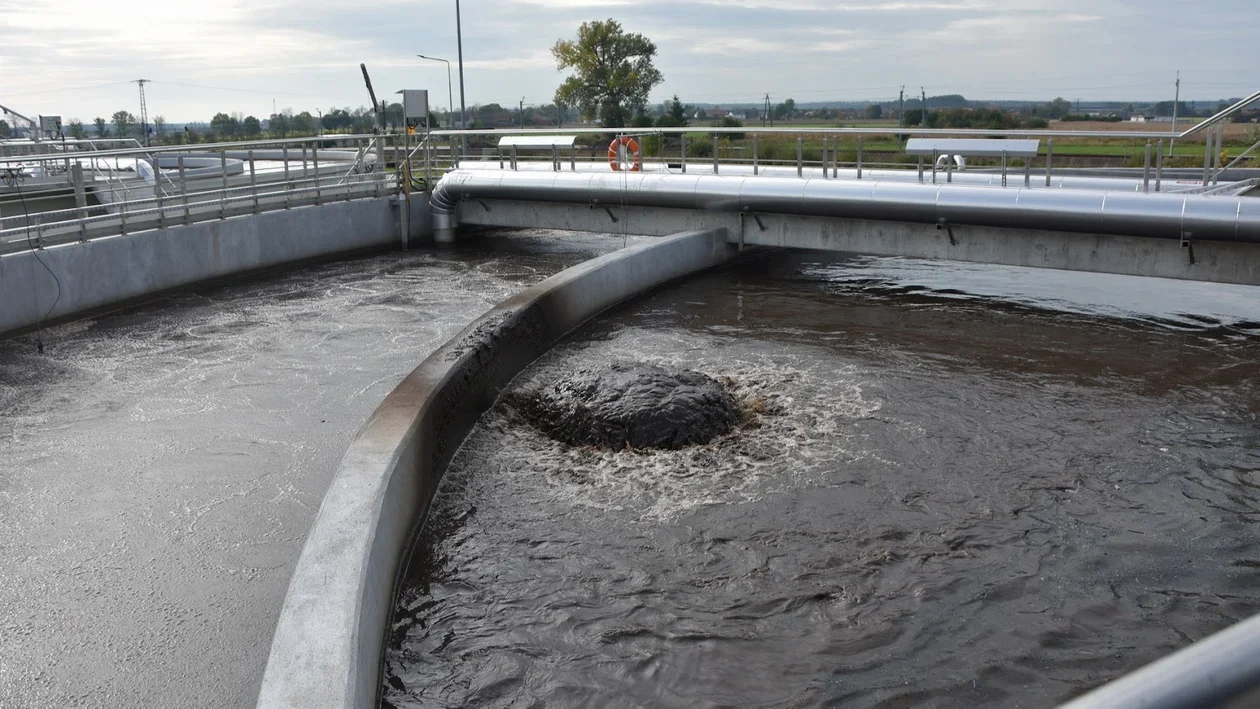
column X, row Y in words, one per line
column 415, row 106
column 50, row 124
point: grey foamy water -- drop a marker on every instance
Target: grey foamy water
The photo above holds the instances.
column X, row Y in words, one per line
column 983, row 487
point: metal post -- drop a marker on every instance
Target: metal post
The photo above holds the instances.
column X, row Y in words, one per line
column 80, row 194
column 183, row 188
column 555, row 159
column 285, row 157
column 934, row 158
column 573, row 158
column 1049, row 159
column 859, row 158
column 1207, row 157
column 756, row 157
column 826, row 145
column 949, row 170
column 224, row 192
column 800, row 156
column 454, row 156
column 513, row 156
column 157, row 194
column 315, row 168
column 1003, row 168
column 1146, row 169
column 500, row 149
column 683, row 144
column 920, row 168
column 1216, row 154
column 253, row 180
column 715, row 155
column 1159, row 165
column 428, row 164
column 1027, row 172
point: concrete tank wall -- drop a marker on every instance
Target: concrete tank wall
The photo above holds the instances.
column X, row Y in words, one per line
column 108, row 271
column 327, row 647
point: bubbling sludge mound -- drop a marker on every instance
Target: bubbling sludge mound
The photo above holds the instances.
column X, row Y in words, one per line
column 631, row 404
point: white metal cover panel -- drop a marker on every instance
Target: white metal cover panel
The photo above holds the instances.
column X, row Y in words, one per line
column 537, row 141
column 973, row 147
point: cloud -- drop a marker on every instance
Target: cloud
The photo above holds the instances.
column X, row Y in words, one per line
column 73, row 58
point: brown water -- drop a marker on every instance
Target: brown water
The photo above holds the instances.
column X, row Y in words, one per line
column 987, row 487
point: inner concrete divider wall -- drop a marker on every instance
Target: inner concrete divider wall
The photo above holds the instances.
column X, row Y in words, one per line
column 327, row 648
column 94, row 274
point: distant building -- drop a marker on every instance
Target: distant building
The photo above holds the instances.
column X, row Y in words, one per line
column 1140, row 118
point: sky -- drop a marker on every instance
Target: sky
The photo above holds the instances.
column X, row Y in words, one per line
column 74, row 58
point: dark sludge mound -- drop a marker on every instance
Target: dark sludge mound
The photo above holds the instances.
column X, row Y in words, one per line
column 630, row 404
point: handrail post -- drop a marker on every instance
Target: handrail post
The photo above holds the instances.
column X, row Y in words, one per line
column 920, row 168
column 826, row 145
column 756, row 157
column 859, row 160
column 183, row 189
column 683, row 147
column 1003, row 168
column 284, row 154
column 513, row 155
column 573, row 157
column 428, row 164
column 936, row 157
column 1049, row 159
column 454, row 155
column 319, row 194
column 715, row 155
column 157, row 194
column 80, row 195
column 949, row 170
column 1027, row 172
column 1216, row 154
column 1159, row 165
column 253, row 180
column 1146, row 169
column 224, row 192
column 500, row 149
column 800, row 156
column 555, row 159
column 1207, row 156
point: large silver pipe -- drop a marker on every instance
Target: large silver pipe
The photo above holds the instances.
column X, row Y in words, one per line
column 973, row 177
column 1168, row 216
column 1205, row 674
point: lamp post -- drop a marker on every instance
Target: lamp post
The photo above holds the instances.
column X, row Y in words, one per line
column 463, row 113
column 450, row 94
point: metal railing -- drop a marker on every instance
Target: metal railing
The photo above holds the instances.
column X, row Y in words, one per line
column 142, row 189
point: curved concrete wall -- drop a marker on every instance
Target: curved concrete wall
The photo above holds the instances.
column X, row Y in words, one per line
column 102, row 272
column 327, row 647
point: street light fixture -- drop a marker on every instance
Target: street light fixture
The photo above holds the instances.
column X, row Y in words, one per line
column 450, row 94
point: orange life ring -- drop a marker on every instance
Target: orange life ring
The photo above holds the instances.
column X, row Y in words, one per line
column 623, row 147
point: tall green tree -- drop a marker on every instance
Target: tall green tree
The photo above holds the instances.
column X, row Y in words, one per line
column 875, row 111
column 159, row 126
column 101, row 130
column 76, row 129
column 123, row 121
column 613, row 72
column 675, row 115
column 251, row 127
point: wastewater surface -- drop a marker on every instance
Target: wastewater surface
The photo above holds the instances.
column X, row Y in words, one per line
column 159, row 467
column 965, row 486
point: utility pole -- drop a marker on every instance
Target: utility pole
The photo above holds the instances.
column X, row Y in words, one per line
column 144, row 111
column 1176, row 101
column 522, row 112
column 923, row 119
column 769, row 113
column 901, row 108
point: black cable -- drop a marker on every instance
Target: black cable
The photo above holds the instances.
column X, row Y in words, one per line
column 15, row 178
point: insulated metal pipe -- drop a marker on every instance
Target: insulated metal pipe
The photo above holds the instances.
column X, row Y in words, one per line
column 1166, row 215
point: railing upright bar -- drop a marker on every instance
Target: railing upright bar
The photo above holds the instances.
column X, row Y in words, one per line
column 683, row 149
column 288, row 187
column 183, row 189
column 158, row 195
column 319, row 194
column 1049, row 159
column 253, row 180
column 800, row 156
column 1146, row 169
column 1159, row 166
column 859, row 158
column 223, row 194
column 756, row 158
column 715, row 155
